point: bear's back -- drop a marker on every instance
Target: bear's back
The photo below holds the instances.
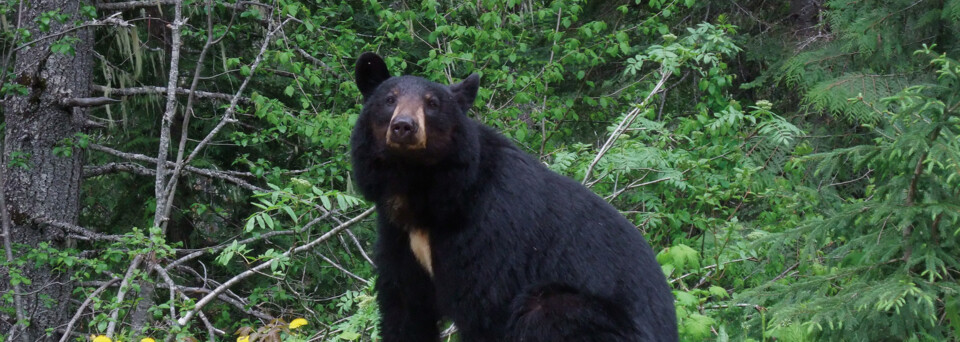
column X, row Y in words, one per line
column 527, row 225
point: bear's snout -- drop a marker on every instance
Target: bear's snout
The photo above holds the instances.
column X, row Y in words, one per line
column 407, row 129
column 403, row 129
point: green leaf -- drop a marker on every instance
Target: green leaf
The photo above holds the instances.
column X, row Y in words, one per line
column 260, row 223
column 290, row 212
column 269, row 220
column 719, row 292
column 349, row 336
column 250, row 225
column 326, row 202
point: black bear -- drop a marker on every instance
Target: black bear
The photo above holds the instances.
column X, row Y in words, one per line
column 473, row 229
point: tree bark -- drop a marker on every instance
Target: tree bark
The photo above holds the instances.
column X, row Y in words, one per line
column 38, row 182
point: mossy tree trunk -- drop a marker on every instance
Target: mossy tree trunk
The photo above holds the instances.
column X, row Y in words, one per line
column 41, row 183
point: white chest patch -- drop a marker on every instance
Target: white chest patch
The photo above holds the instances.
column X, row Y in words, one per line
column 420, row 245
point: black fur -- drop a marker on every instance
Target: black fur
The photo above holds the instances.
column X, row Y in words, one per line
column 519, row 253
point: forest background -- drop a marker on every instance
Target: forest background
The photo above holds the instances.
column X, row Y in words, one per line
column 179, row 169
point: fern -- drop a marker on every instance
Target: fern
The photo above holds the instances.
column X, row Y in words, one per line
column 888, row 252
column 951, row 11
column 562, row 160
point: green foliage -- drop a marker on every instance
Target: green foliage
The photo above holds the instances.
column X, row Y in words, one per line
column 799, row 182
column 19, row 159
column 363, row 314
column 892, row 250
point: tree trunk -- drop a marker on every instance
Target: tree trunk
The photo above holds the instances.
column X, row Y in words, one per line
column 38, row 182
column 804, row 14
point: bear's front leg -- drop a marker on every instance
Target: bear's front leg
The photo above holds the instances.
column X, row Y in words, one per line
column 405, row 292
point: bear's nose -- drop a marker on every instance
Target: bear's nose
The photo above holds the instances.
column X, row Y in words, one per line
column 402, row 128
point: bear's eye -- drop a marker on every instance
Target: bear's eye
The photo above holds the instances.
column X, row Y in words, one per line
column 433, row 103
column 391, row 99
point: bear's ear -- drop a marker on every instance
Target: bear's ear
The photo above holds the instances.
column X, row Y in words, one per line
column 371, row 71
column 465, row 92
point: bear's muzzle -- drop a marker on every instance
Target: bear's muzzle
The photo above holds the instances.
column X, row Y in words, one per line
column 407, row 128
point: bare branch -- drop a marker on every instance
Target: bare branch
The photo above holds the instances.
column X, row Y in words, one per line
column 230, row 176
column 711, row 267
column 131, row 5
column 636, row 184
column 113, row 20
column 316, row 61
column 164, row 203
column 226, row 299
column 852, row 180
column 228, row 115
column 363, row 253
column 86, row 101
column 738, row 305
column 100, row 170
column 342, row 269
column 92, row 124
column 169, row 281
column 215, row 249
column 186, row 289
column 151, row 90
column 171, row 187
column 76, row 316
column 121, row 293
column 212, row 331
column 256, row 269
column 624, row 124
column 160, row 189
column 86, row 233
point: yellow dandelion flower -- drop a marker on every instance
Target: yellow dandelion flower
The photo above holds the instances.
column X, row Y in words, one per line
column 244, row 338
column 147, row 339
column 102, row 338
column 297, row 323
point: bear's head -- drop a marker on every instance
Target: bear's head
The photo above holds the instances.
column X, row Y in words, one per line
column 408, row 118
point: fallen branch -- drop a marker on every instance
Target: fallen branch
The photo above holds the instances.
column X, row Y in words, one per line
column 256, row 269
